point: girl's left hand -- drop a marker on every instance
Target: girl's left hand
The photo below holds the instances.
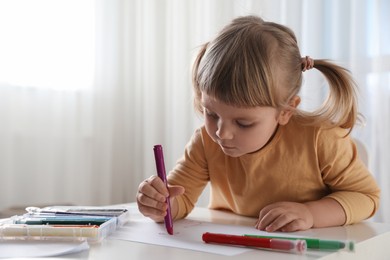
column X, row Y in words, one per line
column 285, row 217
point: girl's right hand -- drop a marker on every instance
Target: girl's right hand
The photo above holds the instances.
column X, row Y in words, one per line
column 151, row 198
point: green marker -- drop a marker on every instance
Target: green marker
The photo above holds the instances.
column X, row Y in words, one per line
column 319, row 244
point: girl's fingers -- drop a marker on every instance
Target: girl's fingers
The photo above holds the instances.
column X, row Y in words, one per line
column 279, row 222
column 266, row 217
column 151, row 211
column 158, row 185
column 147, row 201
column 152, row 195
column 150, row 189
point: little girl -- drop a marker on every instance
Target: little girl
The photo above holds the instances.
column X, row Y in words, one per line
column 264, row 157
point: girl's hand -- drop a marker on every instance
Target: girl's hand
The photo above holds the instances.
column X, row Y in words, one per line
column 285, row 217
column 151, row 198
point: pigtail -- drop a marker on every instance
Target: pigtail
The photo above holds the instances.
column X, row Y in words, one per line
column 340, row 107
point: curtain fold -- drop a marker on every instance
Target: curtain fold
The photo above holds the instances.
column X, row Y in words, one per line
column 94, row 146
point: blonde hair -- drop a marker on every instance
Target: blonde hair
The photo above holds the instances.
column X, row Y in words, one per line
column 252, row 63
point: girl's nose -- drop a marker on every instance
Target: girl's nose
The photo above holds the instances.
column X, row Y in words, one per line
column 224, row 132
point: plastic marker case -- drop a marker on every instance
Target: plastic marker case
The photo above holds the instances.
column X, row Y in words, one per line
column 114, row 218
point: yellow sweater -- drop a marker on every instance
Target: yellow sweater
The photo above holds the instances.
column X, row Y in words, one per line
column 300, row 164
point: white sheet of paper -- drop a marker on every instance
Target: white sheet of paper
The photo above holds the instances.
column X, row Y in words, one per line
column 19, row 248
column 187, row 235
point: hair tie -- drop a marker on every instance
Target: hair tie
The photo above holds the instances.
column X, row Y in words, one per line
column 307, row 63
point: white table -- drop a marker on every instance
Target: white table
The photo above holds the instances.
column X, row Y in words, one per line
column 372, row 242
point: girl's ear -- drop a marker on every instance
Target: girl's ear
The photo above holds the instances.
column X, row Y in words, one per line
column 285, row 114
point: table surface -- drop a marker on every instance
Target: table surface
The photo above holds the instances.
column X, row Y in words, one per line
column 370, row 239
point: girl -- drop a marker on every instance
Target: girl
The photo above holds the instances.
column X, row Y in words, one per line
column 264, row 157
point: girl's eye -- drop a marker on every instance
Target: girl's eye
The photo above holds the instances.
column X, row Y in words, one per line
column 244, row 125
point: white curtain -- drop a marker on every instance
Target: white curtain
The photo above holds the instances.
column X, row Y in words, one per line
column 93, row 145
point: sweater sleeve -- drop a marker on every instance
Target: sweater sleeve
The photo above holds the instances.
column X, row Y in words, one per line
column 191, row 172
column 350, row 182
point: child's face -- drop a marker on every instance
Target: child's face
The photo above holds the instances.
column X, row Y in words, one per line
column 238, row 131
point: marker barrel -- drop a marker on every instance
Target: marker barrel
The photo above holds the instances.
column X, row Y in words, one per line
column 293, row 246
column 160, row 166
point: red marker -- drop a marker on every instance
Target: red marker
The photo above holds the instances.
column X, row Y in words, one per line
column 293, row 246
column 160, row 166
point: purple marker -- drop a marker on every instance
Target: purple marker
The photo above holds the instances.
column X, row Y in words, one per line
column 160, row 166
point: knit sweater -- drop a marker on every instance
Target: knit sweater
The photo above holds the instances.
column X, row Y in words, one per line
column 300, row 164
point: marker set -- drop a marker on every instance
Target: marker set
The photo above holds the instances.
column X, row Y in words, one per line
column 64, row 223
